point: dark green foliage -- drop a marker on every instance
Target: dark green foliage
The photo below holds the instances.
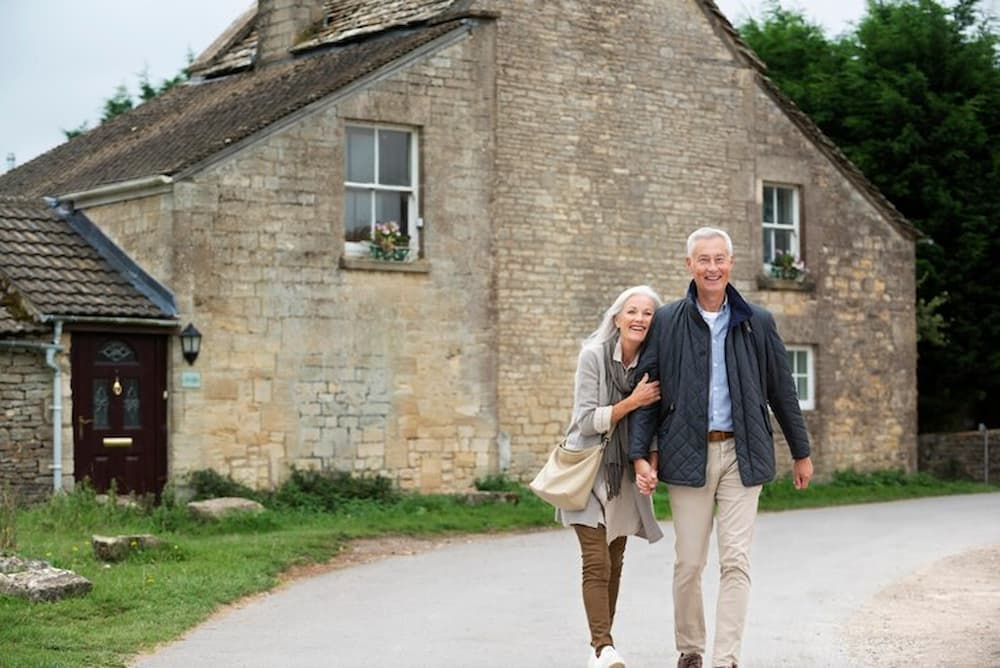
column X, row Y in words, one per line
column 498, row 482
column 8, row 520
column 912, row 96
column 329, row 490
column 304, row 490
column 117, row 104
column 123, row 101
column 209, row 484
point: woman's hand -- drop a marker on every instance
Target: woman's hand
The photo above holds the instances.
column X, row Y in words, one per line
column 646, row 392
column 645, row 476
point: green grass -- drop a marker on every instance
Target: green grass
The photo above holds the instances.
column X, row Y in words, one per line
column 156, row 595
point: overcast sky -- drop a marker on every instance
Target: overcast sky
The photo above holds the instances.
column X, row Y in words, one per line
column 61, row 59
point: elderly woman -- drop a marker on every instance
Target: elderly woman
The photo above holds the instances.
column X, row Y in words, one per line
column 603, row 396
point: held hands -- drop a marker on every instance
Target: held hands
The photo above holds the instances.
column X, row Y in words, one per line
column 645, row 474
column 646, row 392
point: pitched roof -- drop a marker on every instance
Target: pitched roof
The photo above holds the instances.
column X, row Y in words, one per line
column 191, row 123
column 346, row 19
column 232, row 51
column 48, row 268
column 236, row 49
column 826, row 145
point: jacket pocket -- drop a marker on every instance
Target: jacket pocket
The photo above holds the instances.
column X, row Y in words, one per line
column 767, row 419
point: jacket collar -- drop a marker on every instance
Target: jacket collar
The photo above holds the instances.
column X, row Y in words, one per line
column 739, row 309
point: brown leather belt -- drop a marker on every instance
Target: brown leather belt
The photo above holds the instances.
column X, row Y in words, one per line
column 714, row 436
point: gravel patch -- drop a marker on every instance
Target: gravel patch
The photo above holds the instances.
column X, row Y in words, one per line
column 947, row 614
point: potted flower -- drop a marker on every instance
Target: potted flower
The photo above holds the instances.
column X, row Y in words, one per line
column 389, row 243
column 785, row 266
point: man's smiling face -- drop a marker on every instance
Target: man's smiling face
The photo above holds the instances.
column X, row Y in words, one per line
column 710, row 264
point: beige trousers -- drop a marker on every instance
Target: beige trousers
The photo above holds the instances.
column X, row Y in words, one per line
column 692, row 509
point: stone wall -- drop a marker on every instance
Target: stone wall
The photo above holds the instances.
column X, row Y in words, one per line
column 567, row 152
column 960, row 456
column 312, row 363
column 640, row 127
column 25, row 424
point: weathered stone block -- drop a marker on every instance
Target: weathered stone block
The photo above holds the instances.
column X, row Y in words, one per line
column 117, row 548
column 39, row 581
column 215, row 509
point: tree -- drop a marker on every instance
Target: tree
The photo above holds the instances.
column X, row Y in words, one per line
column 913, row 98
column 123, row 101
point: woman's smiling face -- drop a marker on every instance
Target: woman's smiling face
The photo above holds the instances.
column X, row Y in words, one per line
column 634, row 319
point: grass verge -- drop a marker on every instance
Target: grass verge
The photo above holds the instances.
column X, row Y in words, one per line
column 156, row 595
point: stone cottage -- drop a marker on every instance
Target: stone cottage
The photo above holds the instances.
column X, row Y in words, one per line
column 57, row 270
column 529, row 160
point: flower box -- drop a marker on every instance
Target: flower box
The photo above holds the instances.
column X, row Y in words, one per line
column 393, row 254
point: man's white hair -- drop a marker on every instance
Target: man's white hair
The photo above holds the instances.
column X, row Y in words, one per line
column 708, row 233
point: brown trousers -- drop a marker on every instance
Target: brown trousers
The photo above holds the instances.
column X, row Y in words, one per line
column 602, row 571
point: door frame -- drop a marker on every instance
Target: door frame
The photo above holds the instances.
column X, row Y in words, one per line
column 158, row 372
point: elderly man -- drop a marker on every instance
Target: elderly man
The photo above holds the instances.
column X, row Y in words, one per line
column 720, row 363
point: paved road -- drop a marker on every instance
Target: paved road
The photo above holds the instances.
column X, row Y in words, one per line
column 514, row 600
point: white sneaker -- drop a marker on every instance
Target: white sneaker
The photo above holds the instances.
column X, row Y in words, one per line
column 609, row 658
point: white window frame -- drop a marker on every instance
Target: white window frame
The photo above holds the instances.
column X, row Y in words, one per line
column 414, row 222
column 794, row 227
column 809, row 373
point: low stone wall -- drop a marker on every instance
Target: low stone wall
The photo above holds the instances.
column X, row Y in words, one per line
column 25, row 424
column 959, row 455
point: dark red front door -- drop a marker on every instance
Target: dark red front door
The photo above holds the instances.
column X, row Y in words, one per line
column 119, row 411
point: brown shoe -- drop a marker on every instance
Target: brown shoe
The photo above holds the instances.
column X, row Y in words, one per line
column 689, row 661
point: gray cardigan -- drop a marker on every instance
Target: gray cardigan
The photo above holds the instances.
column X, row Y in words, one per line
column 630, row 513
column 678, row 354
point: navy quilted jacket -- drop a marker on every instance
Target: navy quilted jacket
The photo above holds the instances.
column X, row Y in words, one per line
column 677, row 352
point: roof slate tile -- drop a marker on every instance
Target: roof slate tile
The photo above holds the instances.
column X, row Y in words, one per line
column 193, row 122
column 47, row 268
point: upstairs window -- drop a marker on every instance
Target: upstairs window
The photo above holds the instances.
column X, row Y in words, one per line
column 780, row 223
column 800, row 360
column 381, row 182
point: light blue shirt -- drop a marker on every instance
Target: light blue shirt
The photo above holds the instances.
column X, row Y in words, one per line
column 720, row 404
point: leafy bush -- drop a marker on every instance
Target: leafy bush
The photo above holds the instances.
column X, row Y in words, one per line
column 210, row 484
column 8, row 520
column 888, row 478
column 497, row 482
column 328, row 490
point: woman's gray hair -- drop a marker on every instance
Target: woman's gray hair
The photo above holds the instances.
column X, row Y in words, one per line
column 708, row 233
column 607, row 328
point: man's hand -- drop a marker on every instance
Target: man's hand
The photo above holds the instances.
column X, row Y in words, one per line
column 645, row 476
column 802, row 471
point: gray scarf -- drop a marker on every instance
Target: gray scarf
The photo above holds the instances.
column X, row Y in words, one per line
column 615, row 459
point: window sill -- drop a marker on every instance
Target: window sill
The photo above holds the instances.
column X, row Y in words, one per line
column 368, row 264
column 804, row 284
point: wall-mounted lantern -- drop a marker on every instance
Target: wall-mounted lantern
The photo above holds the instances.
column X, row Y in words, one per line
column 190, row 343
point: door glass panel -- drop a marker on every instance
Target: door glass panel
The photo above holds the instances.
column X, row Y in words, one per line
column 100, row 403
column 116, row 351
column 133, row 417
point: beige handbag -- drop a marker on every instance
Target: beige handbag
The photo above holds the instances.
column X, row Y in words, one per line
column 568, row 476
